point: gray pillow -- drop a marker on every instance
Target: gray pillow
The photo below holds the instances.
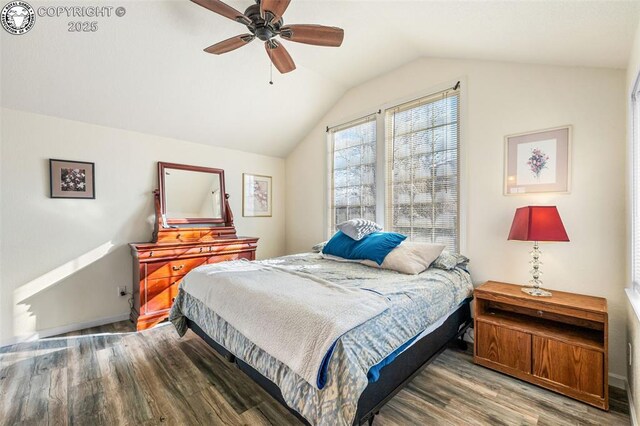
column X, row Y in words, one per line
column 357, row 229
column 448, row 261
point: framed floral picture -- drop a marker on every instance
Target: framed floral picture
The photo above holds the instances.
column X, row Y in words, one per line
column 72, row 179
column 256, row 195
column 538, row 161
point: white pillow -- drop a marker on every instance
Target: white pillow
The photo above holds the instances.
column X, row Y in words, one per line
column 409, row 257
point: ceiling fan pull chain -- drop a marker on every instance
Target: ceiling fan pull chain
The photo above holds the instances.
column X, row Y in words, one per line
column 270, row 65
column 270, row 72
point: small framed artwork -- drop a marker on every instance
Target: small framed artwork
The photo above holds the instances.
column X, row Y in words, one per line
column 538, row 161
column 72, row 179
column 256, row 195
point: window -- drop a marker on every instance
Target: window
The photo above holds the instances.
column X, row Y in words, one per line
column 422, row 169
column 352, row 168
column 414, row 162
column 635, row 100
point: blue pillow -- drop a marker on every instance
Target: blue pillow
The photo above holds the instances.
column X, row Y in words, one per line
column 375, row 246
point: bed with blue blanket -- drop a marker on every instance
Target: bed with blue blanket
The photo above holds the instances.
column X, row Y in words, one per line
column 394, row 325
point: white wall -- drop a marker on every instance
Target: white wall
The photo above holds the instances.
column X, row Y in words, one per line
column 501, row 99
column 63, row 259
column 633, row 370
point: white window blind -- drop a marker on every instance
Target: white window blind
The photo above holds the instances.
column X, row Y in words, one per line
column 422, row 193
column 635, row 99
column 352, row 188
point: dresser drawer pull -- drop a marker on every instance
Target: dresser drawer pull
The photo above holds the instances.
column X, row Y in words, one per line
column 540, row 313
column 177, row 268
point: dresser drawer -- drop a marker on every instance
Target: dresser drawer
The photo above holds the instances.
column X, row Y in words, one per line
column 249, row 255
column 174, row 268
column 160, row 293
column 504, row 346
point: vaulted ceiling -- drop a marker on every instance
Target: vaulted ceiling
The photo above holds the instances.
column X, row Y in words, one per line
column 146, row 71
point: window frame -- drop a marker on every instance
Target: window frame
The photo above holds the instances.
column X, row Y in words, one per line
column 382, row 155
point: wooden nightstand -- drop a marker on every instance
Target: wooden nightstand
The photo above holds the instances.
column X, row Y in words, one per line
column 558, row 342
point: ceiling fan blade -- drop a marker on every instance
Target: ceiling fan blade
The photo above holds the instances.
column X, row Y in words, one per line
column 230, row 44
column 275, row 7
column 223, row 9
column 279, row 56
column 318, row 35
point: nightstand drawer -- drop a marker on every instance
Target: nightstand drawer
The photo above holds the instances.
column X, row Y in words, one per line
column 569, row 365
column 504, row 346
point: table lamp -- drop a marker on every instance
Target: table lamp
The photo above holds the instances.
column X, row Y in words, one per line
column 537, row 223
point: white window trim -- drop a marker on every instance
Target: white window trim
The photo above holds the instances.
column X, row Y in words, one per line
column 634, row 300
column 382, row 160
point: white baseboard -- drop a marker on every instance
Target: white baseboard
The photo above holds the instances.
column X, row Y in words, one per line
column 49, row 332
column 632, row 410
column 617, row 381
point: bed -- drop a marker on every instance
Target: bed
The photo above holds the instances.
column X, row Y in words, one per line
column 368, row 364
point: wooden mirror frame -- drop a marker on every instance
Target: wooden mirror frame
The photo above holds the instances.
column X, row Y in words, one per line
column 162, row 167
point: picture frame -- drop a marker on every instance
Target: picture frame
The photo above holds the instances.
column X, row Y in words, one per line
column 538, row 161
column 72, row 179
column 257, row 194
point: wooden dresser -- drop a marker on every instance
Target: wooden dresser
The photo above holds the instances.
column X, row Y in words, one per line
column 558, row 342
column 159, row 266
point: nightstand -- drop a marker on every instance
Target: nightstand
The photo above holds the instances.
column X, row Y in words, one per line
column 558, row 342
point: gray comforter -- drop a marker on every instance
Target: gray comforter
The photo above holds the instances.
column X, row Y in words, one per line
column 415, row 302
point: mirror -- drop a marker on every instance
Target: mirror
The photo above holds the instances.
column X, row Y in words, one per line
column 191, row 194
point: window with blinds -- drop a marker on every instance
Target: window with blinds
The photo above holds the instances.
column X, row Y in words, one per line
column 352, row 171
column 422, row 180
column 635, row 100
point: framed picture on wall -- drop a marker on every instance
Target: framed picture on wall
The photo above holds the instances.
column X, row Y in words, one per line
column 256, row 195
column 72, row 179
column 538, row 161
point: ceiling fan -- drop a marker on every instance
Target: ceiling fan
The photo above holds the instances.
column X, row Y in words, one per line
column 264, row 21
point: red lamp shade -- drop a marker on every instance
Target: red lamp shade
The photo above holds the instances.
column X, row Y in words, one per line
column 538, row 223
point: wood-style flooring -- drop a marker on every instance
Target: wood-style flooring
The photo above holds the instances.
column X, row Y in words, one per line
column 111, row 375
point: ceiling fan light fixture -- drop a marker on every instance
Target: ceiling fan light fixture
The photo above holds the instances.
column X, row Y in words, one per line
column 264, row 33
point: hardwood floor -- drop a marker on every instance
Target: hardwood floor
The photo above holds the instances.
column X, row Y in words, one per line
column 112, row 376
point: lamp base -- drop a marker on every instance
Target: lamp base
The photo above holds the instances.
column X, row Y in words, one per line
column 536, row 291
